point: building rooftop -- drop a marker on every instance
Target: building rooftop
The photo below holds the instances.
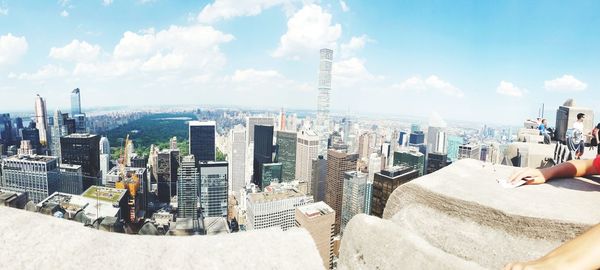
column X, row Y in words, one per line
column 274, row 195
column 116, row 170
column 106, row 194
column 32, row 158
column 81, row 135
column 69, row 166
column 315, row 209
column 202, row 123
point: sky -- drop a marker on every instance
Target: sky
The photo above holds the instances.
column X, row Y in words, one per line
column 489, row 61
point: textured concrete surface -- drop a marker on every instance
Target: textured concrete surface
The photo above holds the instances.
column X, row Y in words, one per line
column 35, row 241
column 462, row 215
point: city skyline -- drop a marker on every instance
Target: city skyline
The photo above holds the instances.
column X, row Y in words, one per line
column 388, row 58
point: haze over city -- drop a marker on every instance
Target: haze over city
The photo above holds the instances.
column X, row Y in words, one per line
column 499, row 61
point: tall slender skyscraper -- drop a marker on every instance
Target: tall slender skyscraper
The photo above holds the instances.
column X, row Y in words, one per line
column 56, row 131
column 75, row 102
column 187, row 188
column 323, row 99
column 202, row 140
column 41, row 119
column 307, row 149
column 104, row 158
column 237, row 158
column 263, row 151
column 286, row 154
column 338, row 163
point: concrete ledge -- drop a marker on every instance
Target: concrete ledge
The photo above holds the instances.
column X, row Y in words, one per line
column 34, row 241
column 462, row 212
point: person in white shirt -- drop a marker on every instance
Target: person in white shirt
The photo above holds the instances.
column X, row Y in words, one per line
column 578, row 127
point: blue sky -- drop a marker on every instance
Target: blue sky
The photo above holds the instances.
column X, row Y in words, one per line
column 492, row 61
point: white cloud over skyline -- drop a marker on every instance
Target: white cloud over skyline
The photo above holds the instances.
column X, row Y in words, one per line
column 509, row 89
column 431, row 83
column 566, row 83
column 12, row 48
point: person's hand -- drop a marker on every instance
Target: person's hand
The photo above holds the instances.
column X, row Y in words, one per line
column 531, row 176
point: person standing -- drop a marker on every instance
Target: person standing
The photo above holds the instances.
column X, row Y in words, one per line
column 578, row 136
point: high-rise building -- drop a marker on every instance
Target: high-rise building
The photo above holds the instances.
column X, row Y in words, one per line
column 307, row 149
column 436, row 161
column 376, row 164
column 281, row 121
column 71, row 179
column 202, row 140
column 453, row 143
column 286, row 154
column 33, row 136
column 75, row 102
column 214, row 187
column 164, row 176
column 104, row 158
column 187, row 188
column 253, row 121
column 237, row 158
column 385, row 182
column 26, row 149
column 338, row 163
column 410, row 158
column 270, row 173
column 274, row 208
column 263, row 151
column 36, row 175
column 414, row 128
column 322, row 127
column 363, row 145
column 436, row 139
column 41, row 119
column 416, row 137
column 469, row 151
column 441, row 144
column 56, row 131
column 318, row 182
column 319, row 220
column 6, row 130
column 83, row 149
column 403, row 137
column 356, row 196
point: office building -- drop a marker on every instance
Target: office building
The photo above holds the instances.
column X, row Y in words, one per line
column 71, row 179
column 214, row 187
column 274, row 208
column 356, row 196
column 453, row 143
column 26, row 149
column 416, row 137
column 318, row 182
column 33, row 136
column 411, row 158
column 75, row 102
column 263, row 151
column 307, row 150
column 363, row 145
column 237, row 158
column 436, row 161
column 338, row 163
column 36, row 175
column 251, row 122
column 376, row 164
column 323, row 121
column 56, row 131
column 469, row 151
column 187, row 188
column 41, row 119
column 319, row 220
column 135, row 181
column 385, row 182
column 286, row 154
column 402, row 139
column 105, row 158
column 83, row 149
column 270, row 173
column 202, row 140
column 6, row 130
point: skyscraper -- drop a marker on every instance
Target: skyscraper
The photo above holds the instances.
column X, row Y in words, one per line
column 104, row 158
column 318, row 181
column 6, row 132
column 57, row 130
column 36, row 175
column 253, row 121
column 356, row 196
column 436, row 161
column 263, row 151
column 453, row 144
column 187, row 188
column 469, row 151
column 325, row 68
column 202, row 140
column 75, row 102
column 410, row 158
column 307, row 149
column 436, row 139
column 319, row 220
column 338, row 163
column 84, row 150
column 237, row 158
column 41, row 119
column 386, row 182
column 286, row 154
column 71, row 179
column 275, row 208
column 214, row 188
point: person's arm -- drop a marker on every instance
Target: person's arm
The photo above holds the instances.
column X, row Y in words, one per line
column 573, row 168
column 583, row 252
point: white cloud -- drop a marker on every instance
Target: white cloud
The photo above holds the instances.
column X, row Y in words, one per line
column 352, row 71
column 107, row 2
column 44, row 73
column 344, row 6
column 432, row 83
column 355, row 44
column 309, row 30
column 227, row 9
column 64, row 13
column 509, row 89
column 12, row 48
column 565, row 83
column 76, row 51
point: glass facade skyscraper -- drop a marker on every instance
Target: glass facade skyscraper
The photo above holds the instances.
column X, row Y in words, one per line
column 75, row 102
column 214, row 187
column 286, row 154
column 202, row 140
column 263, row 151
